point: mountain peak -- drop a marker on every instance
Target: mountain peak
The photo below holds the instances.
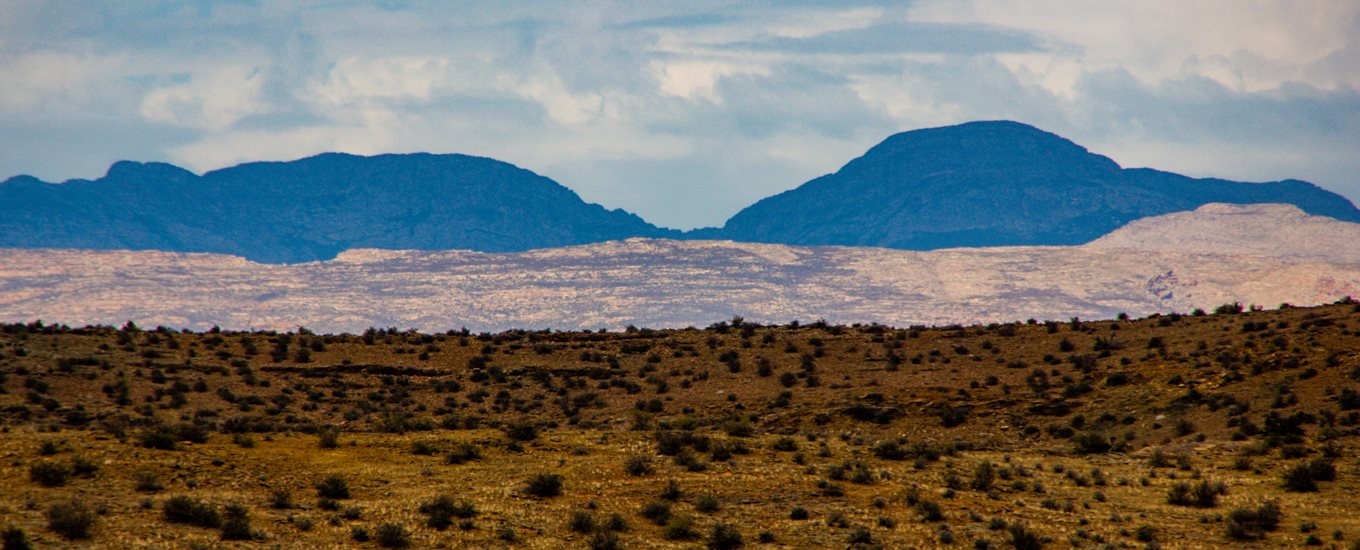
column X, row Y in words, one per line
column 127, row 169
column 991, row 183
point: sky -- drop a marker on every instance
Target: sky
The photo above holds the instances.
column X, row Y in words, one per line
column 681, row 112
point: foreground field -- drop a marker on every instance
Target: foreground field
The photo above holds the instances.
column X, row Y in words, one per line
column 1229, row 429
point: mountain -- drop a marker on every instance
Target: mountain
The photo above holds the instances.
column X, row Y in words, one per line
column 975, row 184
column 1156, row 265
column 991, row 184
column 310, row 209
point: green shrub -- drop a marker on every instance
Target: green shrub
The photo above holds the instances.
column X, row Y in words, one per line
column 281, row 499
column 328, row 437
column 49, row 474
column 71, row 519
column 707, row 504
column 983, row 476
column 393, row 535
column 659, row 512
column 1253, row 524
column 604, row 540
column 724, row 537
column 522, row 431
column 191, row 511
column 581, row 522
column 1021, row 538
column 1299, row 479
column 443, row 508
column 148, row 482
column 544, row 485
column 333, row 486
column 1092, row 443
column 638, row 465
column 680, row 528
column 14, row 538
column 236, row 523
column 464, row 452
column 929, row 510
column 1202, row 495
column 423, row 448
column 83, row 467
column 672, row 491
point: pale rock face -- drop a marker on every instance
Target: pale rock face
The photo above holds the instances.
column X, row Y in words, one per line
column 1276, row 230
column 1263, row 255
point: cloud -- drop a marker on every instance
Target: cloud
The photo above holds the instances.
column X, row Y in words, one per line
column 682, row 113
column 211, row 101
column 900, row 37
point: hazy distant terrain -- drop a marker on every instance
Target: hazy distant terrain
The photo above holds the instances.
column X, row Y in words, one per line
column 1264, row 254
column 995, row 183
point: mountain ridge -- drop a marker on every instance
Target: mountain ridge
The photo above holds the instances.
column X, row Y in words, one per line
column 986, row 183
column 992, row 183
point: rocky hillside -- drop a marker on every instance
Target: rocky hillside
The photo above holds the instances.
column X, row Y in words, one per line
column 1173, row 263
column 991, row 184
column 310, row 209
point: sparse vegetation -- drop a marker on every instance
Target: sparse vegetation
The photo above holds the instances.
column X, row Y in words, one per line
column 989, row 436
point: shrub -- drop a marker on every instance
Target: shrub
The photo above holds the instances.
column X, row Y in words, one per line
column 1021, row 538
column 83, row 467
column 707, row 504
column 281, row 499
column 581, row 522
column 1202, row 495
column 359, row 534
column 604, row 540
column 522, row 431
column 672, row 491
column 1322, row 469
column 148, row 482
column 49, row 474
column 724, row 537
column 544, row 485
column 1249, row 524
column 442, row 509
column 638, row 465
column 423, row 448
column 464, row 452
column 333, row 486
column 1092, row 443
column 659, row 512
column 71, row 519
column 983, row 476
column 393, row 535
column 929, row 510
column 798, row 513
column 191, row 511
column 328, row 437
column 14, row 538
column 236, row 524
column 680, row 528
column 1299, row 479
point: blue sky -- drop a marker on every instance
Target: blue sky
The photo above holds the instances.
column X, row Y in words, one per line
column 681, row 112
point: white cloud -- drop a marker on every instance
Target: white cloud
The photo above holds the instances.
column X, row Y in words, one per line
column 212, row 100
column 1247, row 46
column 659, row 108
